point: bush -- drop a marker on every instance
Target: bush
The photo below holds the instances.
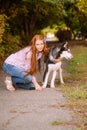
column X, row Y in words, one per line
column 9, row 45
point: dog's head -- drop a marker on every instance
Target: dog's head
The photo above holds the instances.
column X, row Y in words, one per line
column 66, row 54
column 63, row 46
column 57, row 50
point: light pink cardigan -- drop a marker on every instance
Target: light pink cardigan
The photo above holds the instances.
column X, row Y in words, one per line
column 22, row 58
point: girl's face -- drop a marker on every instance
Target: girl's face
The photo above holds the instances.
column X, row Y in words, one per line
column 39, row 45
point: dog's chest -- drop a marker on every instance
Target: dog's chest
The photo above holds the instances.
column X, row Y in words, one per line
column 54, row 67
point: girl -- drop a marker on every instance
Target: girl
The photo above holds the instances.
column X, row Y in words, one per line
column 21, row 65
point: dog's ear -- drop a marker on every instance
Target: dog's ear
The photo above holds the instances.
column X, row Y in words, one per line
column 65, row 45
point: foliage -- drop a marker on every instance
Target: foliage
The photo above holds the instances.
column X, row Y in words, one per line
column 64, row 35
column 82, row 6
column 10, row 45
column 2, row 26
column 76, row 13
column 24, row 18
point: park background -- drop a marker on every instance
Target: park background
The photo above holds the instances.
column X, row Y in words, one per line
column 64, row 19
column 21, row 19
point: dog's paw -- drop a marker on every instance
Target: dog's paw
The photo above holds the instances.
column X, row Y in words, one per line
column 43, row 86
column 52, row 86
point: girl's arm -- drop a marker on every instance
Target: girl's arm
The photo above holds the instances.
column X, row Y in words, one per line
column 37, row 86
column 55, row 60
column 58, row 60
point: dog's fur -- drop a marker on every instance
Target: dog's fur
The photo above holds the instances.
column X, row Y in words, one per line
column 61, row 50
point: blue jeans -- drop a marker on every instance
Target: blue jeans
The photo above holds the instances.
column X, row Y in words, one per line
column 19, row 76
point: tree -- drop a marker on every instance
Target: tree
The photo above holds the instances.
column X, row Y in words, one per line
column 76, row 15
column 33, row 14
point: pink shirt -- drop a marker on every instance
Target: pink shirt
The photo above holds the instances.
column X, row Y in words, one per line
column 22, row 58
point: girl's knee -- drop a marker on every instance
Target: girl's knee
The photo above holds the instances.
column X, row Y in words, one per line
column 28, row 79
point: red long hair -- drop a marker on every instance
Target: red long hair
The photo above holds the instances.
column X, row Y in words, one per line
column 33, row 57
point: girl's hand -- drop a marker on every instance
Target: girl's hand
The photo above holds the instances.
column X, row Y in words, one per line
column 58, row 60
column 39, row 88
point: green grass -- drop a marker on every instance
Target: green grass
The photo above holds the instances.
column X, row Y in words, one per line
column 78, row 93
column 56, row 122
column 76, row 84
column 78, row 65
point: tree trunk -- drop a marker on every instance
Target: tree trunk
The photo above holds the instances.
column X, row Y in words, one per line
column 32, row 26
column 26, row 27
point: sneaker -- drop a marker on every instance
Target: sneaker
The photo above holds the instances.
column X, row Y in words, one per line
column 9, row 85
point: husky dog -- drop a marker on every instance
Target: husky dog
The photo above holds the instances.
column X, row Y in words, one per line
column 59, row 51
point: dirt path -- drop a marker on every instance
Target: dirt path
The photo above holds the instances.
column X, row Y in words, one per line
column 33, row 110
